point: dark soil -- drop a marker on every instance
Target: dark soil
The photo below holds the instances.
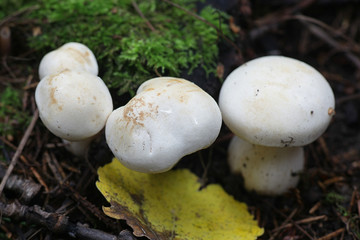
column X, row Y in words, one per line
column 326, row 203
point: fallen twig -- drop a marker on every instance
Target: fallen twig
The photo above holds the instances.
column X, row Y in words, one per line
column 332, row 235
column 138, row 10
column 19, row 150
column 333, row 180
column 55, row 167
column 289, row 219
column 302, row 221
column 24, row 187
column 16, row 14
column 350, row 42
column 315, row 207
column 320, row 33
column 277, row 230
column 35, row 173
column 56, row 223
column 76, row 196
column 24, row 160
column 283, row 14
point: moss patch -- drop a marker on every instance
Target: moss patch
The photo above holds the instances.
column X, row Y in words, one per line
column 128, row 49
column 12, row 117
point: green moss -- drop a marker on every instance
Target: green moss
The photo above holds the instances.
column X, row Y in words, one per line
column 8, row 7
column 341, row 207
column 334, row 198
column 128, row 50
column 12, row 117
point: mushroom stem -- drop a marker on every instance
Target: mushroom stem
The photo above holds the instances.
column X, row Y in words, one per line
column 78, row 148
column 266, row 170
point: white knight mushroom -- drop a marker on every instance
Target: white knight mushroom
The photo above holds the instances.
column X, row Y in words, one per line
column 167, row 119
column 277, row 103
column 72, row 56
column 73, row 105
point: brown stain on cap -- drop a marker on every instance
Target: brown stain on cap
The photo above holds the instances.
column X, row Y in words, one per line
column 173, row 81
column 137, row 110
column 81, row 57
column 331, row 111
column 52, row 96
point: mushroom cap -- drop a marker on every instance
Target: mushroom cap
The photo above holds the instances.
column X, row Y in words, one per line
column 72, row 55
column 167, row 119
column 266, row 170
column 73, row 105
column 276, row 101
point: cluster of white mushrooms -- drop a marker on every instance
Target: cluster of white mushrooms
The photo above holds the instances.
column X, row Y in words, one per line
column 274, row 106
column 166, row 120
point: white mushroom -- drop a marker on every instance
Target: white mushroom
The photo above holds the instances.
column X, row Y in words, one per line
column 73, row 105
column 72, row 56
column 274, row 102
column 167, row 119
column 277, row 101
column 266, row 170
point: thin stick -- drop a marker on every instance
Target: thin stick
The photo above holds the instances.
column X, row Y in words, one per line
column 302, row 221
column 332, row 235
column 138, row 10
column 26, row 188
column 315, row 207
column 18, row 13
column 57, row 223
column 35, row 173
column 317, row 31
column 354, row 46
column 19, row 150
column 277, row 230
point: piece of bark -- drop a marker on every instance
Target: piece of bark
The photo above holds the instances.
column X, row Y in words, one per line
column 26, row 188
column 55, row 222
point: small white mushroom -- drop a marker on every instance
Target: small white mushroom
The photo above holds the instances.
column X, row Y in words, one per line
column 266, row 170
column 277, row 101
column 72, row 56
column 167, row 119
column 73, row 105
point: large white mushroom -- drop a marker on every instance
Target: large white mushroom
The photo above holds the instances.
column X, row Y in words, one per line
column 276, row 101
column 72, row 56
column 167, row 119
column 73, row 105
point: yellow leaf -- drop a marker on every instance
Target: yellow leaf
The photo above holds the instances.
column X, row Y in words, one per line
column 171, row 206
